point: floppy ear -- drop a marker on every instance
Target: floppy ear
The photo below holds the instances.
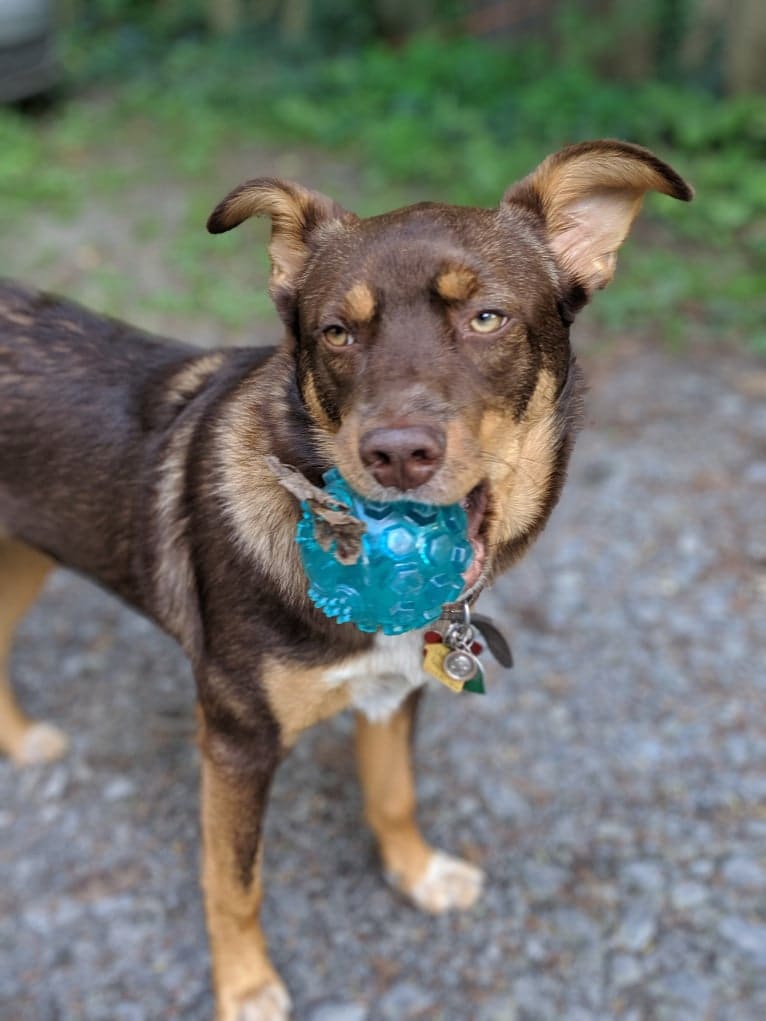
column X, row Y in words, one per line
column 297, row 216
column 588, row 195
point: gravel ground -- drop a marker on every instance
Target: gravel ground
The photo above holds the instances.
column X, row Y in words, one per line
column 613, row 785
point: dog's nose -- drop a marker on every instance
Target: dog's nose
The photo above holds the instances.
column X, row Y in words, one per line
column 404, row 457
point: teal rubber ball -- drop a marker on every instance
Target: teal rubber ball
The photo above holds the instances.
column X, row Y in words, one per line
column 412, row 560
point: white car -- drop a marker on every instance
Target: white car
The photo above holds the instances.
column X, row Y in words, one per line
column 28, row 64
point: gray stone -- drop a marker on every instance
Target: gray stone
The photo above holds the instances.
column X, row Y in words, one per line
column 748, row 937
column 499, row 1008
column 536, row 950
column 403, row 998
column 633, row 1014
column 646, row 876
column 615, row 832
column 503, row 801
column 534, row 1000
column 543, row 882
column 686, row 988
column 744, row 873
column 118, row 789
column 578, row 1013
column 702, row 868
column 687, row 895
column 129, row 1012
column 636, row 930
column 756, row 472
column 338, row 1012
column 738, row 750
column 674, row 1012
column 55, row 782
column 576, row 929
column 625, row 971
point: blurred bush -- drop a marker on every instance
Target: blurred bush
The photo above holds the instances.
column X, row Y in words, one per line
column 457, row 113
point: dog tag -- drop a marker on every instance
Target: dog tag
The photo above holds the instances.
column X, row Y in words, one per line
column 476, row 684
column 453, row 658
column 434, row 654
column 461, row 665
column 493, row 636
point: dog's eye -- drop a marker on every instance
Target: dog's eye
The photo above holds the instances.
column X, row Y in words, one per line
column 487, row 322
column 337, row 336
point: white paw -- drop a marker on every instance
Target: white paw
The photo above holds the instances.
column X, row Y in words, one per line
column 271, row 1003
column 42, row 742
column 447, row 883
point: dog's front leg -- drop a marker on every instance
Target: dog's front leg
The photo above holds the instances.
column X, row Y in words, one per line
column 22, row 573
column 236, row 776
column 432, row 880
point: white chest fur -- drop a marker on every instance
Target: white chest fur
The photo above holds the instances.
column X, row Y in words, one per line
column 379, row 680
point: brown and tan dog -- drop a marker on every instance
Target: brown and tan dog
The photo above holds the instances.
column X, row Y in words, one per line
column 426, row 351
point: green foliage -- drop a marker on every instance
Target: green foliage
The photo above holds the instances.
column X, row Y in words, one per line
column 459, row 118
column 25, row 179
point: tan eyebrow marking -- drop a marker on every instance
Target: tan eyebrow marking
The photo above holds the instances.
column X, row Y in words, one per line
column 359, row 303
column 457, row 283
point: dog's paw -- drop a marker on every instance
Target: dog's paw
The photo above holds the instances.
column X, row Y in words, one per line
column 270, row 1003
column 447, row 883
column 41, row 742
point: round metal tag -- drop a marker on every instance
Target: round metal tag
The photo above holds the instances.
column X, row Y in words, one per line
column 460, row 665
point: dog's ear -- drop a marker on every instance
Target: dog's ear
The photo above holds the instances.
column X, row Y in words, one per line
column 588, row 196
column 299, row 217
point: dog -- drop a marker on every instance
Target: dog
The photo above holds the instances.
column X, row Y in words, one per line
column 425, row 354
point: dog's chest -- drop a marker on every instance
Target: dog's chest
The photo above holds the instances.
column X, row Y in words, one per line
column 378, row 681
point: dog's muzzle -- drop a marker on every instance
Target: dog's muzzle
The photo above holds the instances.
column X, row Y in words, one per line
column 403, row 457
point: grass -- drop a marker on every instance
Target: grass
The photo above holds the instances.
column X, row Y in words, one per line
column 456, row 119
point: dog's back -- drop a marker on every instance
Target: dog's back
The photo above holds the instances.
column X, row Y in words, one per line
column 56, row 357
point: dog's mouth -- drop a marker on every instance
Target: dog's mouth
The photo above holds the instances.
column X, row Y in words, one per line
column 475, row 504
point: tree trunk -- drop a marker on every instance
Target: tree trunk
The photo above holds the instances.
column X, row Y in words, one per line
column 224, row 16
column 745, row 57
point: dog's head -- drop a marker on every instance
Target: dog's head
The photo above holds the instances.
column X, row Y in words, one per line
column 432, row 343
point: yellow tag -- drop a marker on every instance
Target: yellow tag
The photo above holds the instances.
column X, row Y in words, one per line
column 433, row 663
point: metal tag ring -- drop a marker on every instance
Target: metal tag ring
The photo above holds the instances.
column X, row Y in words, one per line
column 459, row 636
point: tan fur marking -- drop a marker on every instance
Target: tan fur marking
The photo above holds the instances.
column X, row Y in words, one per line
column 433, row 881
column 385, row 770
column 19, row 318
column 241, row 966
column 174, row 576
column 359, row 303
column 314, row 405
column 22, row 573
column 457, row 284
column 520, row 460
column 300, row 697
column 190, row 379
column 263, row 516
column 70, row 326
